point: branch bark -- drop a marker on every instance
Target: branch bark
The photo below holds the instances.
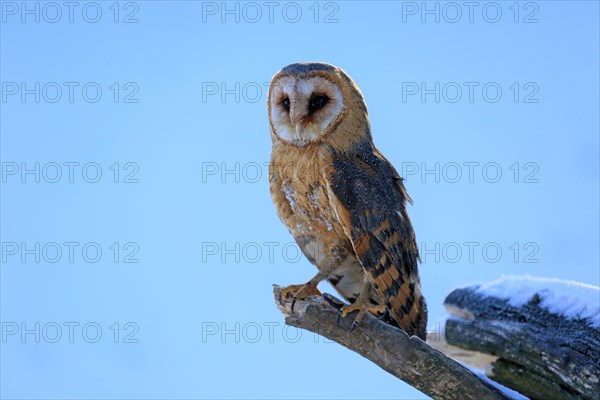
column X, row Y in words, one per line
column 407, row 358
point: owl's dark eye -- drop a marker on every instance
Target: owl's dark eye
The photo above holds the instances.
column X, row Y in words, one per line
column 317, row 102
column 286, row 103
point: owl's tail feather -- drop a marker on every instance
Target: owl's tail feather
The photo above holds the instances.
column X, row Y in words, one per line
column 395, row 278
column 409, row 310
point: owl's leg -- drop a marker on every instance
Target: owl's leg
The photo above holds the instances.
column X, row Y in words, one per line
column 326, row 267
column 300, row 292
column 363, row 304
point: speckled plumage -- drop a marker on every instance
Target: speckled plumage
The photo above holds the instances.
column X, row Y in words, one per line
column 342, row 201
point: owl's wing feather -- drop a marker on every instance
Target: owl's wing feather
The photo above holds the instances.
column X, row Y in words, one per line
column 371, row 199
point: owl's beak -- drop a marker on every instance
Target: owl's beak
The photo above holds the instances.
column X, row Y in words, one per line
column 296, row 115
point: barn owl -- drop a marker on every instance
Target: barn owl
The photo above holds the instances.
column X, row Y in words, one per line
column 340, row 198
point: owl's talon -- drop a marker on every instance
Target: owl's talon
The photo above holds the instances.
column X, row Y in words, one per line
column 293, row 303
column 297, row 293
column 344, row 311
column 333, row 301
column 362, row 309
column 386, row 314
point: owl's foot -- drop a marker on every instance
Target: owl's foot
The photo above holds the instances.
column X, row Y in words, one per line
column 298, row 292
column 386, row 315
column 362, row 308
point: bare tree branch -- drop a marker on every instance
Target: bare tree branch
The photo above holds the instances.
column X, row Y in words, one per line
column 408, row 358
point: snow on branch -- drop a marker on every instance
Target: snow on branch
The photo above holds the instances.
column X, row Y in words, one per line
column 544, row 333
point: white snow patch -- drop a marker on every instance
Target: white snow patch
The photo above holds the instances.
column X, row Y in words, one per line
column 513, row 394
column 573, row 300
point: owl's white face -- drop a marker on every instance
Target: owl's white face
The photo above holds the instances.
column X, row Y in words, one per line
column 303, row 109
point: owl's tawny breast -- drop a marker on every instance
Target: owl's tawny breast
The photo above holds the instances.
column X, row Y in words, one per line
column 299, row 188
column 302, row 198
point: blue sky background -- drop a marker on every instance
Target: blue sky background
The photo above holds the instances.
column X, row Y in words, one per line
column 195, row 315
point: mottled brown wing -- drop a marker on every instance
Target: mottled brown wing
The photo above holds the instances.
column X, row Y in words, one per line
column 371, row 200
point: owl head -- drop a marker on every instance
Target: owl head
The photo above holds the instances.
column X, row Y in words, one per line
column 308, row 102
